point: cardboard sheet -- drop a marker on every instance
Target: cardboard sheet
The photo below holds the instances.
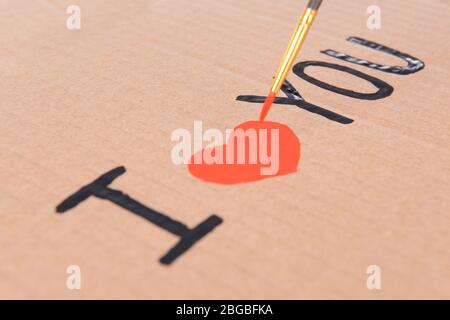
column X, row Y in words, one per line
column 75, row 104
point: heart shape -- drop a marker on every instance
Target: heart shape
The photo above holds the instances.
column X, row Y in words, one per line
column 284, row 155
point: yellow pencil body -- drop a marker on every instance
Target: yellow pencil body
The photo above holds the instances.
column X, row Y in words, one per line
column 291, row 53
column 294, row 47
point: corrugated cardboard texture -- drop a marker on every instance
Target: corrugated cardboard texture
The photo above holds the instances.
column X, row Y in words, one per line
column 75, row 104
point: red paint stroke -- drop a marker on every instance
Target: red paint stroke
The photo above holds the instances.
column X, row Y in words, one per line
column 289, row 157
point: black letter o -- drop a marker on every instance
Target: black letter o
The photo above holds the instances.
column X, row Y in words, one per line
column 384, row 89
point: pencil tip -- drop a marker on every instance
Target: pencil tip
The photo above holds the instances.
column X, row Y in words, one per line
column 314, row 4
column 267, row 104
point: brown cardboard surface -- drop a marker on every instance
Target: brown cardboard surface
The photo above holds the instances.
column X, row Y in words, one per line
column 75, row 104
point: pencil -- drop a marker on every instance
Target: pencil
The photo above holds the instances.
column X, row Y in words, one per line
column 291, row 53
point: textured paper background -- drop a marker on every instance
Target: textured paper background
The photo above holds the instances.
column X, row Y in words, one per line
column 75, row 104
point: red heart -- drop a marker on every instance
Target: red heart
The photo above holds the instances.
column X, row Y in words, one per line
column 234, row 173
